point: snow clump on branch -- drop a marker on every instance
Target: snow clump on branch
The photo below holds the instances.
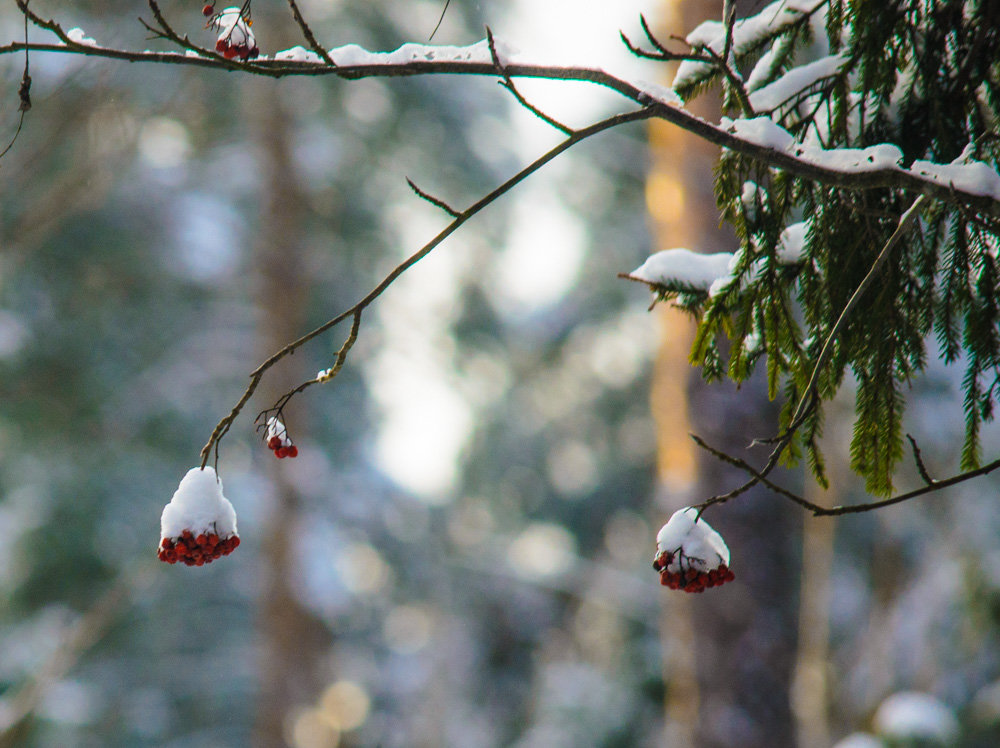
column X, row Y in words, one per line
column 199, row 524
column 690, row 555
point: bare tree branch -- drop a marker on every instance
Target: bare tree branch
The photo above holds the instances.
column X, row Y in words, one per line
column 255, row 376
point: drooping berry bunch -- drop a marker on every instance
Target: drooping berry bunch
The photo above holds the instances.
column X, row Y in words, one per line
column 198, row 525
column 277, row 439
column 235, row 37
column 691, row 580
column 690, row 555
column 196, row 550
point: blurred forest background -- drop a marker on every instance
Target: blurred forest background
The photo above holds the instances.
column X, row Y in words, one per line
column 460, row 556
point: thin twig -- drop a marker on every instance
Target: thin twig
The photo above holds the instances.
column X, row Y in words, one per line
column 918, row 458
column 255, row 376
column 821, row 511
column 729, row 19
column 440, row 20
column 509, row 85
column 650, row 36
column 23, row 92
column 759, row 476
column 324, row 376
column 735, row 81
column 433, row 200
column 308, row 34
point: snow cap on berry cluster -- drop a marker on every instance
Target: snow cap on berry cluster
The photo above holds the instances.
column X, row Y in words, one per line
column 235, row 37
column 699, row 544
column 690, row 555
column 233, row 28
column 277, row 440
column 199, row 507
column 275, row 428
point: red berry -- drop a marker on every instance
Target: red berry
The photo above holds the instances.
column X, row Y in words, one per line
column 242, row 51
column 221, row 46
column 208, row 10
column 281, row 453
column 274, row 442
column 229, row 53
column 292, row 451
column 253, row 53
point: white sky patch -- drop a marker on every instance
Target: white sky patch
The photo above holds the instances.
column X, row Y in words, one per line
column 543, row 549
column 425, row 420
column 569, row 32
column 909, row 715
column 424, row 428
column 208, row 238
column 544, row 251
column 164, row 143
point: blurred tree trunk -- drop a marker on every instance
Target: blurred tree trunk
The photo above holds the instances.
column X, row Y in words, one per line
column 290, row 637
column 729, row 655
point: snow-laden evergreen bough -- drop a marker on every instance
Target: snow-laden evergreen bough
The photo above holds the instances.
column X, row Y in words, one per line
column 858, row 168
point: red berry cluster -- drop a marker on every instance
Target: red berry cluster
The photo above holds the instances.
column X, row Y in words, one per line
column 696, row 581
column 230, row 50
column 690, row 580
column 196, row 551
column 280, row 449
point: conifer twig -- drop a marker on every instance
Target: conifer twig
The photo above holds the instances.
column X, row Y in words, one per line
column 810, row 395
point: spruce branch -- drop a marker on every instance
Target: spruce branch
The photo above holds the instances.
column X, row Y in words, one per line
column 810, row 398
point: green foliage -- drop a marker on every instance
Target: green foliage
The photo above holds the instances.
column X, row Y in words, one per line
column 924, row 77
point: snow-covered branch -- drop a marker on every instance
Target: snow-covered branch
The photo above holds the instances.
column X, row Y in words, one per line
column 975, row 185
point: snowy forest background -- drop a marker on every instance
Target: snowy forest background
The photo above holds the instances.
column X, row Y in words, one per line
column 460, row 554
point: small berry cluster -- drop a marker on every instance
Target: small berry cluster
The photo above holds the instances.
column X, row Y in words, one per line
column 196, row 551
column 230, row 51
column 235, row 37
column 282, row 448
column 276, row 437
column 691, row 580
